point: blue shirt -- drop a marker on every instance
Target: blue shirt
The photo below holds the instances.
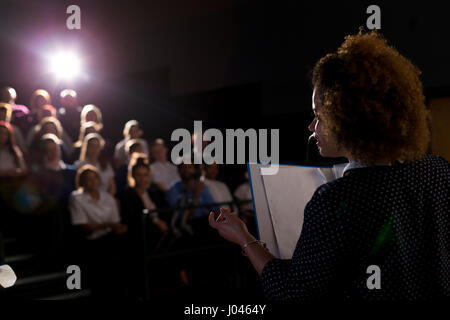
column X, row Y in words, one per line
column 178, row 196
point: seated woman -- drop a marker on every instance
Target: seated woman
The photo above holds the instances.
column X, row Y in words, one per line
column 92, row 153
column 5, row 115
column 48, row 111
column 381, row 231
column 130, row 131
column 46, row 125
column 87, row 128
column 52, row 182
column 12, row 164
column 138, row 198
column 12, row 173
column 96, row 214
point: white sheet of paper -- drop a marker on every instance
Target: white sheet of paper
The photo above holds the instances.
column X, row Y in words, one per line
column 288, row 192
column 7, row 276
column 280, row 201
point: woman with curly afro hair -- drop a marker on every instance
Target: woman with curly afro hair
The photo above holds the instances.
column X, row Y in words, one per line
column 380, row 232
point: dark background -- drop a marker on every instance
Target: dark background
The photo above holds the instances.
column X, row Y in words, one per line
column 231, row 64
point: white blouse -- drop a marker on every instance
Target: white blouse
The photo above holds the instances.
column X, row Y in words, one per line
column 84, row 210
column 7, row 159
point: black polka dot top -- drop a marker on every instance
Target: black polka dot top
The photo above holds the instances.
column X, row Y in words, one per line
column 393, row 217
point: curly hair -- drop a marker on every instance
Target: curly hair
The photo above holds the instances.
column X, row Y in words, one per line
column 371, row 100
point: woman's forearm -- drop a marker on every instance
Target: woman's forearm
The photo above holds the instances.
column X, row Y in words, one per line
column 258, row 255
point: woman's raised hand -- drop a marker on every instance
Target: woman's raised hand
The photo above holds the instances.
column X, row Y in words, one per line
column 230, row 227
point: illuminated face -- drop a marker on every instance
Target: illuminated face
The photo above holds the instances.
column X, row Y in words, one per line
column 93, row 148
column 52, row 151
column 134, row 132
column 91, row 116
column 159, row 152
column 91, row 181
column 41, row 101
column 142, row 177
column 50, row 128
column 187, row 171
column 327, row 148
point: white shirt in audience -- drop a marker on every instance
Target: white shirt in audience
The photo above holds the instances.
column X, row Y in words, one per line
column 105, row 175
column 18, row 138
column 7, row 160
column 219, row 191
column 85, row 210
column 120, row 153
column 165, row 173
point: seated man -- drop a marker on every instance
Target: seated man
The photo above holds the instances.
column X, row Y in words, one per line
column 164, row 173
column 189, row 191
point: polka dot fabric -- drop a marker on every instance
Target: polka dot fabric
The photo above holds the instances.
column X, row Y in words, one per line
column 395, row 217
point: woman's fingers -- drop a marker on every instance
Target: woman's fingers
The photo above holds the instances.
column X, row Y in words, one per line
column 212, row 220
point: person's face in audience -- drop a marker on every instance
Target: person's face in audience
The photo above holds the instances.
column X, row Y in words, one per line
column 89, row 130
column 49, row 128
column 134, row 132
column 52, row 151
column 93, row 148
column 327, row 148
column 91, row 182
column 187, row 171
column 4, row 136
column 40, row 102
column 142, row 177
column 159, row 153
column 91, row 116
column 211, row 171
column 68, row 101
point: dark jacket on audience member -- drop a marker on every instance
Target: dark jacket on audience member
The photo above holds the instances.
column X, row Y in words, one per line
column 131, row 208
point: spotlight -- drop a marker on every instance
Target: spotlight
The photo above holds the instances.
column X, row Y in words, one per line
column 65, row 65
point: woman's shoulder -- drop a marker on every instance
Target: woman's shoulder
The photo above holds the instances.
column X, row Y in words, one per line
column 76, row 195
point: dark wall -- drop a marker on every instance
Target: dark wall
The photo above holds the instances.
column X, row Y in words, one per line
column 229, row 63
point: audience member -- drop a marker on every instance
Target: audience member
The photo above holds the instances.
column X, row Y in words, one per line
column 48, row 111
column 91, row 113
column 96, row 214
column 121, row 176
column 85, row 129
column 39, row 98
column 69, row 112
column 46, row 125
column 164, row 173
column 131, row 131
column 189, row 191
column 92, row 153
column 5, row 115
column 138, row 198
column 12, row 163
column 52, row 181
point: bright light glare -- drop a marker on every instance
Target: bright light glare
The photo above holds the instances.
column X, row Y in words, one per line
column 65, row 65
